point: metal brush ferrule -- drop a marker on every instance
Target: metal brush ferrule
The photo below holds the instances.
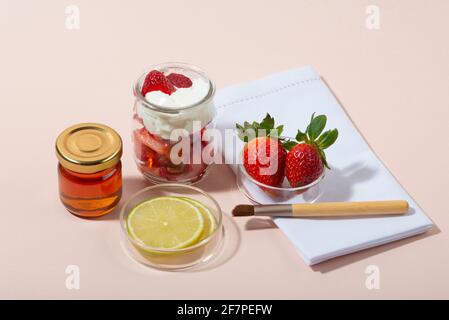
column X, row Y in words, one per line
column 274, row 210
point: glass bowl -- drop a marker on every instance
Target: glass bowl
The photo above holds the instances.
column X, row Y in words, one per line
column 173, row 259
column 261, row 193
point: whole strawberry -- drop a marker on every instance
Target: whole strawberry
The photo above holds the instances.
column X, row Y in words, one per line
column 263, row 155
column 264, row 160
column 304, row 165
column 306, row 158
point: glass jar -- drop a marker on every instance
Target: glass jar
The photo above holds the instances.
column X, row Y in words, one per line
column 172, row 112
column 89, row 169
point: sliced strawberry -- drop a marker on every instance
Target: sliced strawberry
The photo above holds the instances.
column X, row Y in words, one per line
column 164, row 161
column 179, row 80
column 165, row 169
column 162, row 147
column 162, row 172
column 143, row 152
column 157, row 81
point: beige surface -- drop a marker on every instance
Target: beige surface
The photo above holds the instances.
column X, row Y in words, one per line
column 393, row 82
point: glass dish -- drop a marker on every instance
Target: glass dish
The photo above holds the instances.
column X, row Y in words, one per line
column 173, row 259
column 260, row 193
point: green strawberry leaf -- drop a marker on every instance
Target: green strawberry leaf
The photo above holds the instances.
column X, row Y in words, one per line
column 301, row 136
column 280, row 129
column 322, row 137
column 247, row 125
column 323, row 158
column 327, row 139
column 288, row 145
column 276, row 133
column 316, row 126
column 249, row 131
column 245, row 133
column 240, row 132
column 267, row 123
column 312, row 116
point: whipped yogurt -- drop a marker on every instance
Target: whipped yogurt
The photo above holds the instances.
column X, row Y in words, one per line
column 182, row 97
column 163, row 123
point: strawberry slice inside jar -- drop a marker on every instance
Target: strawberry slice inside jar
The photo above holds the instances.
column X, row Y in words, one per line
column 160, row 146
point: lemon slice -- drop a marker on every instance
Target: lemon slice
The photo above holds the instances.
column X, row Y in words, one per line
column 210, row 223
column 166, row 223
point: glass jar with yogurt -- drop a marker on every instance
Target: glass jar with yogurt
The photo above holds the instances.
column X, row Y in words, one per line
column 173, row 110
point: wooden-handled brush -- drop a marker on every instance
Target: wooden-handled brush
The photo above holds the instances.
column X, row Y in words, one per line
column 325, row 209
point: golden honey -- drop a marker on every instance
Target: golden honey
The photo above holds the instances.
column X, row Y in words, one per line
column 89, row 169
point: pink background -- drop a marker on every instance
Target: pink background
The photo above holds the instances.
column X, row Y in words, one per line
column 393, row 82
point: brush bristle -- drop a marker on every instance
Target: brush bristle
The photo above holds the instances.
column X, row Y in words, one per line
column 243, row 210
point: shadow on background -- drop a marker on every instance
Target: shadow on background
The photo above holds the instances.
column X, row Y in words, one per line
column 260, row 224
column 229, row 247
column 339, row 184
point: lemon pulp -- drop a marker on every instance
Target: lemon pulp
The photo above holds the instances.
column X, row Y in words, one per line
column 167, row 223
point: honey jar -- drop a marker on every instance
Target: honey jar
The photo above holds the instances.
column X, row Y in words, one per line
column 89, row 169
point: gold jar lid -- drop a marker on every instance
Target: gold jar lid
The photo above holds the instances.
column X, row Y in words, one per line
column 88, row 148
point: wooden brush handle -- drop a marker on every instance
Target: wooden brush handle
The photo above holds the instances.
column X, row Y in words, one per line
column 344, row 209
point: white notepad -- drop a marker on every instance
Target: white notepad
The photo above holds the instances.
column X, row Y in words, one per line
column 356, row 175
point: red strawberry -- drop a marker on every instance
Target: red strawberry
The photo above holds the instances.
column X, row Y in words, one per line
column 306, row 160
column 263, row 162
column 143, row 152
column 158, row 145
column 179, row 80
column 303, row 165
column 157, row 81
column 162, row 172
column 264, row 156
